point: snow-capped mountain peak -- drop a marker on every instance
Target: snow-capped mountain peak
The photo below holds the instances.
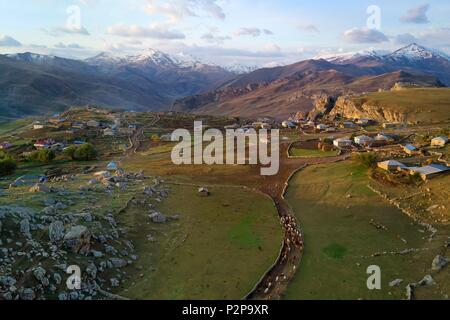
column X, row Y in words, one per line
column 415, row 52
column 31, row 57
column 346, row 56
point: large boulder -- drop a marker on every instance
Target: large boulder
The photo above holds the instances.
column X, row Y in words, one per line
column 56, row 231
column 78, row 239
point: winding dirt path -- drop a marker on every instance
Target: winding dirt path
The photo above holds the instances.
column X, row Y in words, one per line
column 275, row 282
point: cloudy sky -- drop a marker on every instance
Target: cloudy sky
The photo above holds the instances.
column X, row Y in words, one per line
column 251, row 32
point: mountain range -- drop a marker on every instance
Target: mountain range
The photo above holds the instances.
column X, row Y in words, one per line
column 40, row 84
column 282, row 91
column 152, row 80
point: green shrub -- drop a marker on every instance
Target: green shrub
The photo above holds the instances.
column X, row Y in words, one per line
column 43, row 155
column 85, row 152
column 368, row 160
column 7, row 164
column 69, row 152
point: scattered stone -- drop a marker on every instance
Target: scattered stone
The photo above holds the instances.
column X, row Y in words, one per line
column 78, row 239
column 39, row 273
column 25, row 228
column 158, row 217
column 56, row 231
column 114, row 282
column 439, row 262
column 27, row 294
column 395, row 282
column 427, row 281
column 118, row 263
column 97, row 254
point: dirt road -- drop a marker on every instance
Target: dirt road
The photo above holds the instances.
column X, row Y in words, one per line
column 275, row 282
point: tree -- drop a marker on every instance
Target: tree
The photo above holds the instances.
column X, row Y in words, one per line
column 85, row 152
column 43, row 155
column 69, row 152
column 368, row 159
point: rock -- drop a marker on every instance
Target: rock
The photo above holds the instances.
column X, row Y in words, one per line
column 427, row 281
column 39, row 188
column 148, row 192
column 395, row 282
column 62, row 296
column 39, row 273
column 8, row 296
column 27, row 294
column 118, row 263
column 56, row 231
column 93, row 181
column 25, row 227
column 57, row 277
column 60, row 206
column 97, row 254
column 78, row 239
column 91, row 270
column 439, row 262
column 7, row 281
column 158, row 217
column 114, row 282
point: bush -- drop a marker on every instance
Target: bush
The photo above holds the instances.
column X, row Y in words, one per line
column 368, row 160
column 85, row 152
column 69, row 152
column 7, row 164
column 43, row 155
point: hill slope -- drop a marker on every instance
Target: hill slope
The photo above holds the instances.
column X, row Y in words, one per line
column 408, row 105
column 38, row 84
column 283, row 91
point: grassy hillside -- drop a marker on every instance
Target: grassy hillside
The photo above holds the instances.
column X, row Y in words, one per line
column 340, row 217
column 419, row 104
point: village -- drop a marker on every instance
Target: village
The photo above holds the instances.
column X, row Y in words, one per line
column 90, row 165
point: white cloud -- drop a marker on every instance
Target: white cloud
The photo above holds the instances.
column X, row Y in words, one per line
column 405, row 38
column 176, row 10
column 364, row 35
column 7, row 41
column 309, row 28
column 417, row 15
column 212, row 38
column 254, row 32
column 154, row 32
column 61, row 45
column 74, row 30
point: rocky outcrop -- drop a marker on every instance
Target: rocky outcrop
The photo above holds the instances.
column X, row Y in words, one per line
column 352, row 109
column 78, row 239
column 323, row 104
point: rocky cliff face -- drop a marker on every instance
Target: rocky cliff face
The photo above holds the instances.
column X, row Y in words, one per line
column 349, row 108
column 323, row 105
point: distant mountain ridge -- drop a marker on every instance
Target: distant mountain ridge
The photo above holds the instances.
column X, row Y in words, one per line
column 35, row 84
column 153, row 80
column 282, row 91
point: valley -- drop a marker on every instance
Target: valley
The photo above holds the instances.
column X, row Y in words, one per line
column 139, row 227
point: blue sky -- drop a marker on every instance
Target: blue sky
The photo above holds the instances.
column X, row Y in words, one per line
column 252, row 32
